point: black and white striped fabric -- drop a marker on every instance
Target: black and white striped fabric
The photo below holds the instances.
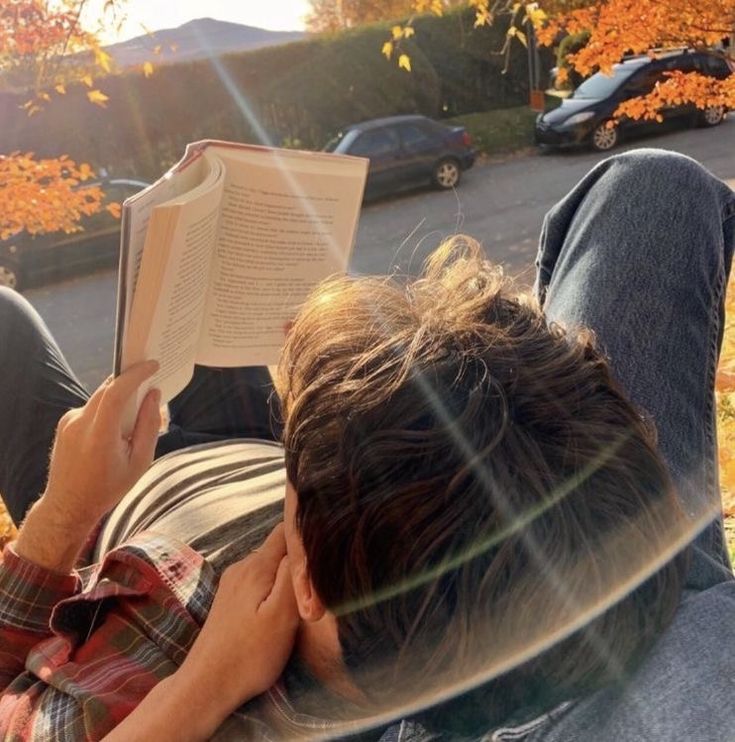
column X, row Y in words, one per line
column 221, row 499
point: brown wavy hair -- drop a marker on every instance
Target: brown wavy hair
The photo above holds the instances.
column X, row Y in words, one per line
column 476, row 495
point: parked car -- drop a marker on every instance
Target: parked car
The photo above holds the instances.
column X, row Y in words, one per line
column 27, row 260
column 406, row 151
column 586, row 116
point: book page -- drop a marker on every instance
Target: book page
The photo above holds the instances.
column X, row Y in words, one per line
column 137, row 213
column 168, row 306
column 287, row 221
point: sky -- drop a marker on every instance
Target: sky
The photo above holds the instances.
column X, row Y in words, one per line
column 153, row 15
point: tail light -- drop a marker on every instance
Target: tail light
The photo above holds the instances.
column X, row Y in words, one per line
column 466, row 139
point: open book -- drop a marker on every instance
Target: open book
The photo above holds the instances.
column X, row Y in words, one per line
column 218, row 255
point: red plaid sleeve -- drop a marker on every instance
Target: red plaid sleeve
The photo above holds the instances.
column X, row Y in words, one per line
column 28, row 594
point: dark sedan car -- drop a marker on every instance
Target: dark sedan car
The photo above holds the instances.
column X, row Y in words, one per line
column 585, row 117
column 27, row 260
column 407, row 151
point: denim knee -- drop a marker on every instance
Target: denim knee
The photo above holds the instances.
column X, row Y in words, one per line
column 657, row 174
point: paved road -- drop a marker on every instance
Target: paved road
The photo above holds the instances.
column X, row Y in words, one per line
column 500, row 203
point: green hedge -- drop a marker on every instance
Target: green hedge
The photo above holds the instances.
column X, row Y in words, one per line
column 302, row 93
column 500, row 131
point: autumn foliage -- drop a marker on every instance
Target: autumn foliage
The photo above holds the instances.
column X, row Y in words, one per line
column 616, row 28
column 45, row 195
column 621, row 27
column 337, row 15
column 43, row 47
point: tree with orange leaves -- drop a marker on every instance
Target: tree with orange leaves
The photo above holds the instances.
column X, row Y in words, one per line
column 616, row 28
column 43, row 47
column 619, row 27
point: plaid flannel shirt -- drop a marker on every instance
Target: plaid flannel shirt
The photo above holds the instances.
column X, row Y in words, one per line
column 78, row 652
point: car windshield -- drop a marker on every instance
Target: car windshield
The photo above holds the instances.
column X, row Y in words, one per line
column 601, row 85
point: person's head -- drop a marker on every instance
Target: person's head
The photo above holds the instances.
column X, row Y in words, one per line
column 466, row 479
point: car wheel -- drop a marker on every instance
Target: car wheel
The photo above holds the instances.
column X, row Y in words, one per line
column 447, row 174
column 10, row 276
column 712, row 116
column 604, row 137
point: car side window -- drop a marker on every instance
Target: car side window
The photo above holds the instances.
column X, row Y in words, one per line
column 711, row 65
column 114, row 193
column 686, row 63
column 100, row 219
column 414, row 137
column 374, row 143
column 642, row 83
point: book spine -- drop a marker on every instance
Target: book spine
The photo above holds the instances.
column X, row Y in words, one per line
column 122, row 290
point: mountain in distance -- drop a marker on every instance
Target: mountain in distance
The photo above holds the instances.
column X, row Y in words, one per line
column 204, row 37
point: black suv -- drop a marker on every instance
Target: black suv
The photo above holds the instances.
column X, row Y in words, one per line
column 406, row 151
column 584, row 116
column 27, row 260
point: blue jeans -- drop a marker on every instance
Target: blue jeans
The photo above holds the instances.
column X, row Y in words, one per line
column 639, row 251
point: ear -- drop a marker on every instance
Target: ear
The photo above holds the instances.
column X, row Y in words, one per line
column 309, row 604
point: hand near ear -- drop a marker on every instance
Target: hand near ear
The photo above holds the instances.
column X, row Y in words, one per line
column 250, row 632
column 240, row 652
